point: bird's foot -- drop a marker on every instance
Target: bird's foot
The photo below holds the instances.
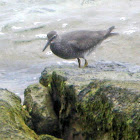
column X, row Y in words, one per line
column 79, row 62
column 86, row 63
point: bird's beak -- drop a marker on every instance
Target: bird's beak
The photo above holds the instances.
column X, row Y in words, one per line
column 48, row 43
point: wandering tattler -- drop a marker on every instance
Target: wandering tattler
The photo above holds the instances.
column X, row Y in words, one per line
column 76, row 44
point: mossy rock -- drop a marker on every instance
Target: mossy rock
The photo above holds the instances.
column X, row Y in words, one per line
column 39, row 104
column 63, row 99
column 108, row 111
column 90, row 109
column 80, row 78
column 48, row 137
column 13, row 118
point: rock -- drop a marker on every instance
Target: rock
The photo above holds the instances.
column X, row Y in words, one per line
column 13, row 118
column 48, row 137
column 80, row 78
column 89, row 107
column 39, row 104
column 110, row 112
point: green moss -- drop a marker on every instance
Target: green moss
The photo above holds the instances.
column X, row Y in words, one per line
column 13, row 118
column 63, row 97
column 39, row 105
column 48, row 137
column 99, row 117
column 100, row 111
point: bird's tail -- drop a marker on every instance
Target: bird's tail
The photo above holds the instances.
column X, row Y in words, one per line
column 109, row 32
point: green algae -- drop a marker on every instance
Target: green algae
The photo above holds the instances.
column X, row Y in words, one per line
column 102, row 110
column 39, row 105
column 64, row 99
column 100, row 117
column 48, row 137
column 13, row 118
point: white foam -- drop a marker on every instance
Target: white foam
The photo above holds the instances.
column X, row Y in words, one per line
column 22, row 20
column 64, row 25
column 41, row 36
column 17, row 94
column 123, row 18
column 59, row 19
column 69, row 62
column 128, row 32
column 16, row 28
column 36, row 23
column 59, row 63
column 34, row 78
column 1, row 33
column 49, row 53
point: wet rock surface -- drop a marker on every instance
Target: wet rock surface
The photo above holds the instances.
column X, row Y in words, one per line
column 40, row 106
column 115, row 66
column 110, row 112
column 80, row 77
column 13, row 118
column 96, row 102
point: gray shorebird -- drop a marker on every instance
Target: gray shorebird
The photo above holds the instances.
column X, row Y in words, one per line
column 76, row 44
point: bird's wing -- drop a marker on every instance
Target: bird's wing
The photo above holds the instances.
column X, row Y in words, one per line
column 86, row 41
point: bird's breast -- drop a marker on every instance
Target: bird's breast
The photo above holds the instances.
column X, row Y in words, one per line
column 60, row 50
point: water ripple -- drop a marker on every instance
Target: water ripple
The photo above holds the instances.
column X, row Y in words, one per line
column 31, row 28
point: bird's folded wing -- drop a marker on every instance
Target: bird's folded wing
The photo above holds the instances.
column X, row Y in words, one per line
column 84, row 44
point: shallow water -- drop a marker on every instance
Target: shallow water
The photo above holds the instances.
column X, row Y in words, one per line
column 24, row 25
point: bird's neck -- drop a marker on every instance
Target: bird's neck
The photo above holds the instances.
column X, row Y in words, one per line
column 55, row 45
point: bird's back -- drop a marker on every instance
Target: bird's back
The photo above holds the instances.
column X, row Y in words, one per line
column 82, row 35
column 85, row 39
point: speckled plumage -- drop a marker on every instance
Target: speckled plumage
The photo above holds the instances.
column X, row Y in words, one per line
column 76, row 44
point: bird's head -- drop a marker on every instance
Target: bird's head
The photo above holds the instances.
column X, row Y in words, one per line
column 51, row 35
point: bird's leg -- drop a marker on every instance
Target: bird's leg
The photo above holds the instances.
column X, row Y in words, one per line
column 79, row 62
column 86, row 63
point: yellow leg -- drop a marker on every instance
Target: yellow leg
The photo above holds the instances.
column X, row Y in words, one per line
column 79, row 62
column 86, row 63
